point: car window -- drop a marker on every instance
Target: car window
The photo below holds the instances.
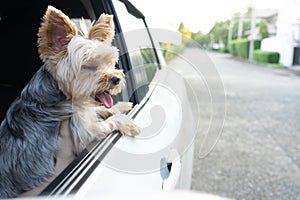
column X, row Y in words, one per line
column 141, row 54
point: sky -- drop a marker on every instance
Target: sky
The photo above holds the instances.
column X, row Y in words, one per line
column 197, row 15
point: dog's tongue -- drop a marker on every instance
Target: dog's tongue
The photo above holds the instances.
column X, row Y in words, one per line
column 105, row 99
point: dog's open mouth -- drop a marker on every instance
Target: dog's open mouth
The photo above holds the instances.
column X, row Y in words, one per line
column 105, row 99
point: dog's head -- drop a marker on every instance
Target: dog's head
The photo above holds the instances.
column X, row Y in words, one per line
column 82, row 64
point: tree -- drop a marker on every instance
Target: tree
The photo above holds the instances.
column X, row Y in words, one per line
column 263, row 29
column 202, row 39
column 186, row 34
column 220, row 32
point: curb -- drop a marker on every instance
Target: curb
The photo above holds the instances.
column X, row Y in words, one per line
column 294, row 69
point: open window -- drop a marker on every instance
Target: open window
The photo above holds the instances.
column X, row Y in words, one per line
column 140, row 48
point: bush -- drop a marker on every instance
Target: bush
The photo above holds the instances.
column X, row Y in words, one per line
column 266, row 56
column 240, row 47
column 257, row 44
column 223, row 50
column 170, row 50
column 232, row 47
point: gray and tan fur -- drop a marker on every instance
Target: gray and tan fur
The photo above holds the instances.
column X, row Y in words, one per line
column 77, row 70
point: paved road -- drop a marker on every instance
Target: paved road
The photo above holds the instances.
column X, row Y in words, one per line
column 257, row 155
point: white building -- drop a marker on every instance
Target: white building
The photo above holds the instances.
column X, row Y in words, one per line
column 287, row 39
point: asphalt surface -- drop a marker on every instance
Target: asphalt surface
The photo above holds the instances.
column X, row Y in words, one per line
column 254, row 119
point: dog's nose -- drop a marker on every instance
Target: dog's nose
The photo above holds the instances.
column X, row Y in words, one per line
column 115, row 80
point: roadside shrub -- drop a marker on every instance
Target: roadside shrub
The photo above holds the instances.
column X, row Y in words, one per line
column 170, row 50
column 240, row 47
column 266, row 56
column 232, row 47
column 257, row 44
column 223, row 50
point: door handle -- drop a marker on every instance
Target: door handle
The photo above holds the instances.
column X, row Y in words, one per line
column 170, row 168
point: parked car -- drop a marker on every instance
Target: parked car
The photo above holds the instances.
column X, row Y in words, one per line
column 161, row 157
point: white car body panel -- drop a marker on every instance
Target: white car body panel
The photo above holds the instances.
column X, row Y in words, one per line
column 134, row 163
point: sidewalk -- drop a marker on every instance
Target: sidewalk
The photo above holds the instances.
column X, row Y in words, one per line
column 294, row 69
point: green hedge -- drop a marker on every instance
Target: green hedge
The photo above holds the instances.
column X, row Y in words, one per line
column 266, row 56
column 232, row 47
column 223, row 50
column 170, row 50
column 240, row 47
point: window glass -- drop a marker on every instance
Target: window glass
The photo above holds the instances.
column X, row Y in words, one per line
column 140, row 50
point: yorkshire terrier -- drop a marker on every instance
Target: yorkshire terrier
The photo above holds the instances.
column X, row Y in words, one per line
column 69, row 96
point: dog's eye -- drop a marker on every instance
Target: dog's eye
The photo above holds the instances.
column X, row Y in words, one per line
column 86, row 67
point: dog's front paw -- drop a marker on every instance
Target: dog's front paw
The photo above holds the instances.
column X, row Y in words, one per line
column 125, row 125
column 123, row 107
column 133, row 130
column 129, row 128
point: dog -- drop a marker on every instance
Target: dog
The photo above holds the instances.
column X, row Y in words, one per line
column 66, row 105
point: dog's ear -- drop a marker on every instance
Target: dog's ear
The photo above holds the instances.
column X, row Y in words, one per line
column 55, row 32
column 104, row 29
